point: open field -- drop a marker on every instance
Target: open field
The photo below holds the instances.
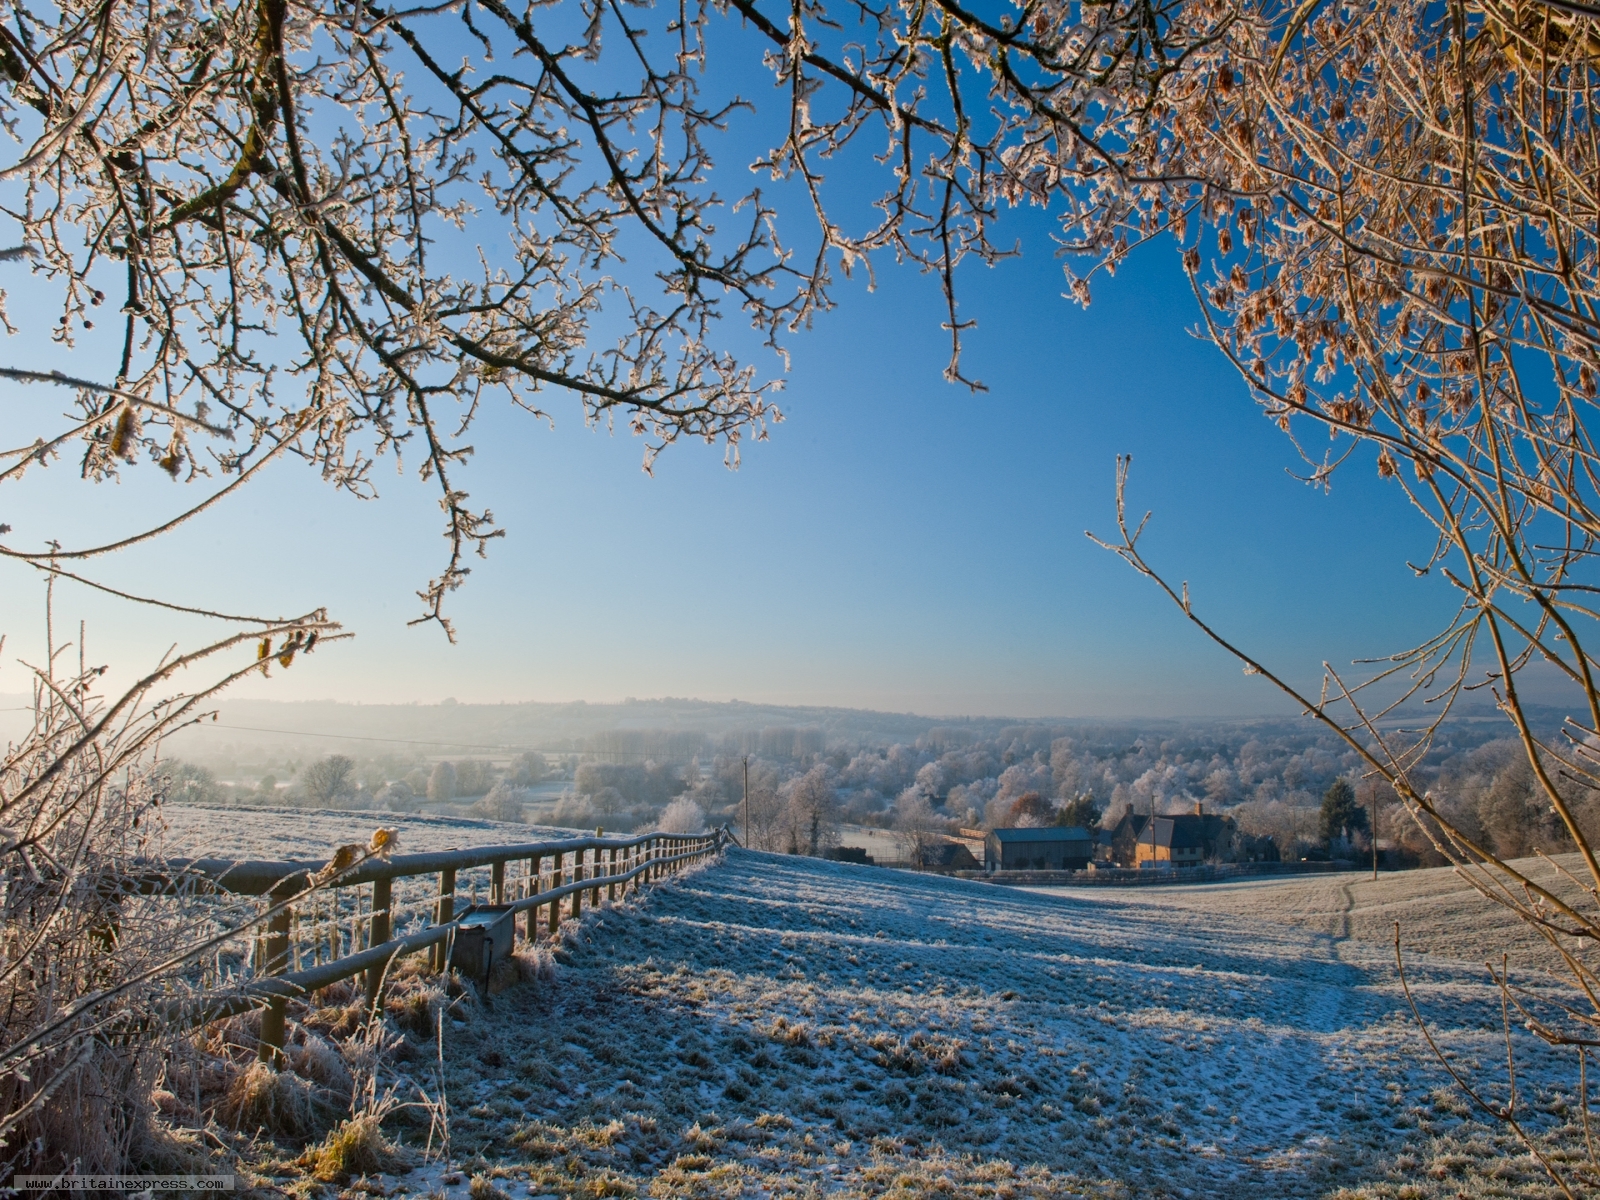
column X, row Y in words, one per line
column 1439, row 912
column 313, row 834
column 778, row 1026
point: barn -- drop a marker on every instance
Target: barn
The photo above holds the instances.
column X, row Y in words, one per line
column 949, row 856
column 1044, row 848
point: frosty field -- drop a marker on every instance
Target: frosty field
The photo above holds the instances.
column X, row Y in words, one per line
column 774, row 1026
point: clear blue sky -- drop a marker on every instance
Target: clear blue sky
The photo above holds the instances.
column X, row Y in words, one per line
column 899, row 543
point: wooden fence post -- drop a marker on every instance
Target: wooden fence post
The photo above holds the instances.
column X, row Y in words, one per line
column 557, row 873
column 382, row 891
column 497, row 883
column 577, row 877
column 276, row 956
column 533, row 890
column 446, row 912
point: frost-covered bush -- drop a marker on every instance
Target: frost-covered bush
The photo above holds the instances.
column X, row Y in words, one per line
column 502, row 803
column 398, row 797
column 96, row 978
column 683, row 815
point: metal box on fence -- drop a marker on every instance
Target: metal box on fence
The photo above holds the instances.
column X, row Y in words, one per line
column 483, row 937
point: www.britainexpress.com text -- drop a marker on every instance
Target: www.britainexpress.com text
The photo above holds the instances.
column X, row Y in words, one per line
column 123, row 1183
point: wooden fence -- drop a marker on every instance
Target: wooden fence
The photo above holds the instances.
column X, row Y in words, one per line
column 315, row 931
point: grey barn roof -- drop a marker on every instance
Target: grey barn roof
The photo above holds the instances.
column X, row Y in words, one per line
column 1045, row 833
column 1182, row 832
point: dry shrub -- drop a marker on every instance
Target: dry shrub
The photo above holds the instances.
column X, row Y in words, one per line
column 483, row 1188
column 98, row 982
column 65, row 835
column 97, row 1115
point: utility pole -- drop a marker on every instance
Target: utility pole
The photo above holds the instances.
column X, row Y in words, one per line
column 1152, row 830
column 747, row 844
column 1374, row 835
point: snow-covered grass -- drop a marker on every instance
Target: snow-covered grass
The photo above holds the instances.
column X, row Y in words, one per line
column 1439, row 912
column 314, row 834
column 778, row 1026
column 775, row 1025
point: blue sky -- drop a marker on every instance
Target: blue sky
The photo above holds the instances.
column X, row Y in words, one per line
column 899, row 543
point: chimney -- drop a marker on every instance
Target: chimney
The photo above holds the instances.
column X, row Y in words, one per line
column 1199, row 808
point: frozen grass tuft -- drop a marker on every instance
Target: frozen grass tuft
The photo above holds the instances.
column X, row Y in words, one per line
column 164, row 1150
column 265, row 1098
column 318, row 1060
column 356, row 1146
column 534, row 964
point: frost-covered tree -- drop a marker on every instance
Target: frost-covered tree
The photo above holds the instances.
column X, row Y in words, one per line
column 918, row 828
column 502, row 802
column 473, row 778
column 397, row 796
column 811, row 811
column 189, row 783
column 328, row 781
column 1029, row 810
column 1082, row 810
column 527, row 769
column 768, row 828
column 442, row 782
column 683, row 815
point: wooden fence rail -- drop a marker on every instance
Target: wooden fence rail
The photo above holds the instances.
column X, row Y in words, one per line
column 614, row 864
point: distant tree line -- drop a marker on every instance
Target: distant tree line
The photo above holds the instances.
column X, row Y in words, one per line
column 1274, row 780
